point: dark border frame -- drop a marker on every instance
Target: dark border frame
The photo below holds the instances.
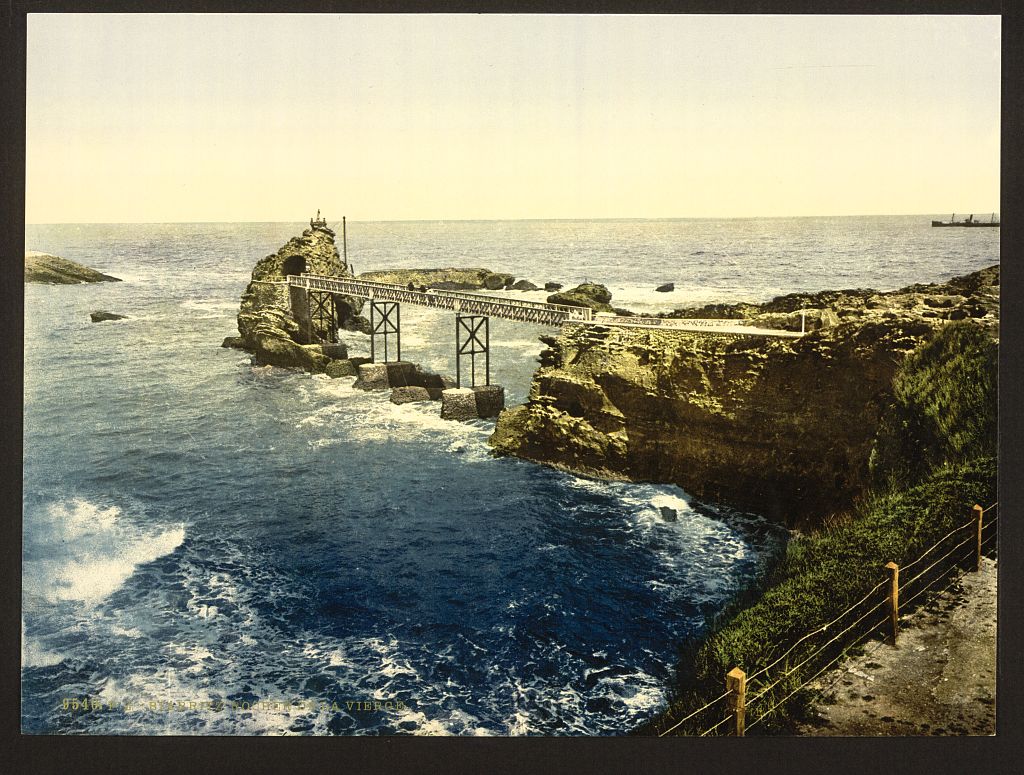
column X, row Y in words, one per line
column 42, row 754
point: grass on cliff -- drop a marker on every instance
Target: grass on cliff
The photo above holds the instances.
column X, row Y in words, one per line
column 819, row 577
column 943, row 408
column 935, row 458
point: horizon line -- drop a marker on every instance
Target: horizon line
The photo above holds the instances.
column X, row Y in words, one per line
column 506, row 220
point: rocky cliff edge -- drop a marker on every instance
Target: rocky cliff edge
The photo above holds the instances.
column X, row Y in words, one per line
column 782, row 427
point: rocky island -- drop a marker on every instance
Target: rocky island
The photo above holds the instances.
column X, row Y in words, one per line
column 448, row 279
column 44, row 268
column 266, row 324
column 783, row 427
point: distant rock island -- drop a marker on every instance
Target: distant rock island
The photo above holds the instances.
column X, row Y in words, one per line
column 44, row 268
column 449, row 279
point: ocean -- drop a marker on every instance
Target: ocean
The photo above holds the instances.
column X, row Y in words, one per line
column 216, row 548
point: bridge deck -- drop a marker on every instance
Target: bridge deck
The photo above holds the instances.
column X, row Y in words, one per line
column 518, row 309
column 466, row 303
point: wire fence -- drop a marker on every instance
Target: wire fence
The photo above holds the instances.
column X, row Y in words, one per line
column 791, row 676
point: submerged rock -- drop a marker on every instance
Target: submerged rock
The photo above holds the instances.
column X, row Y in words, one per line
column 550, row 287
column 524, row 285
column 44, row 268
column 666, row 288
column 99, row 317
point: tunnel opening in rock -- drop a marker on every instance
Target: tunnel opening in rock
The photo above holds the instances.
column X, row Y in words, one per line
column 293, row 265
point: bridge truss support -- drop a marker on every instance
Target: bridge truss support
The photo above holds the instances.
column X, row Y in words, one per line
column 323, row 314
column 468, row 332
column 386, row 321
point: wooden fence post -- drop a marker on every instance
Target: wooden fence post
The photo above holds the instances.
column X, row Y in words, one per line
column 979, row 512
column 736, row 685
column 894, row 599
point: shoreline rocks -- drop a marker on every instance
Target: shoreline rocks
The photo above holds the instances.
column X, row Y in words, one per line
column 53, row 270
column 782, row 427
column 975, row 296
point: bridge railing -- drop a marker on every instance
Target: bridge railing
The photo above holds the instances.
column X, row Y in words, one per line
column 672, row 322
column 474, row 303
column 711, row 325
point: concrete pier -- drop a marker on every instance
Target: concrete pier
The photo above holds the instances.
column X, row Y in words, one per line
column 401, row 373
column 409, row 395
column 472, row 403
column 372, row 376
column 335, row 350
column 458, row 404
column 490, row 400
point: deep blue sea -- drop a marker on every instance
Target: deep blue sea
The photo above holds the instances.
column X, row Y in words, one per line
column 216, row 548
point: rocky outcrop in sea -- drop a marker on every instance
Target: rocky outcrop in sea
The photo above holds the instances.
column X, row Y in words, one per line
column 44, row 268
column 447, row 279
column 782, row 427
column 592, row 295
column 266, row 324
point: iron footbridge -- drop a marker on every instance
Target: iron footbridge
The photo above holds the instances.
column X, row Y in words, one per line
column 519, row 310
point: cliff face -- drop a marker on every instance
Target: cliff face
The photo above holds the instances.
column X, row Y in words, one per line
column 266, row 325
column 783, row 427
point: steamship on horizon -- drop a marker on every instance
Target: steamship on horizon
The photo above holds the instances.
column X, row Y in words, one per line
column 969, row 221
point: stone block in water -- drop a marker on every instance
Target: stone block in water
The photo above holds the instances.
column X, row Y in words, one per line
column 372, row 376
column 408, row 395
column 458, row 404
column 344, row 368
column 401, row 373
column 490, row 400
column 336, row 350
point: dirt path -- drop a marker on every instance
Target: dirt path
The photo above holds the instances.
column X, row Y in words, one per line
column 939, row 680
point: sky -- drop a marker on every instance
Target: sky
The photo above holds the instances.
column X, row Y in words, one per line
column 180, row 117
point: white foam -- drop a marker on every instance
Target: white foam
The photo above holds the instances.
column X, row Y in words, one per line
column 34, row 655
column 86, row 551
column 211, row 305
column 379, row 420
